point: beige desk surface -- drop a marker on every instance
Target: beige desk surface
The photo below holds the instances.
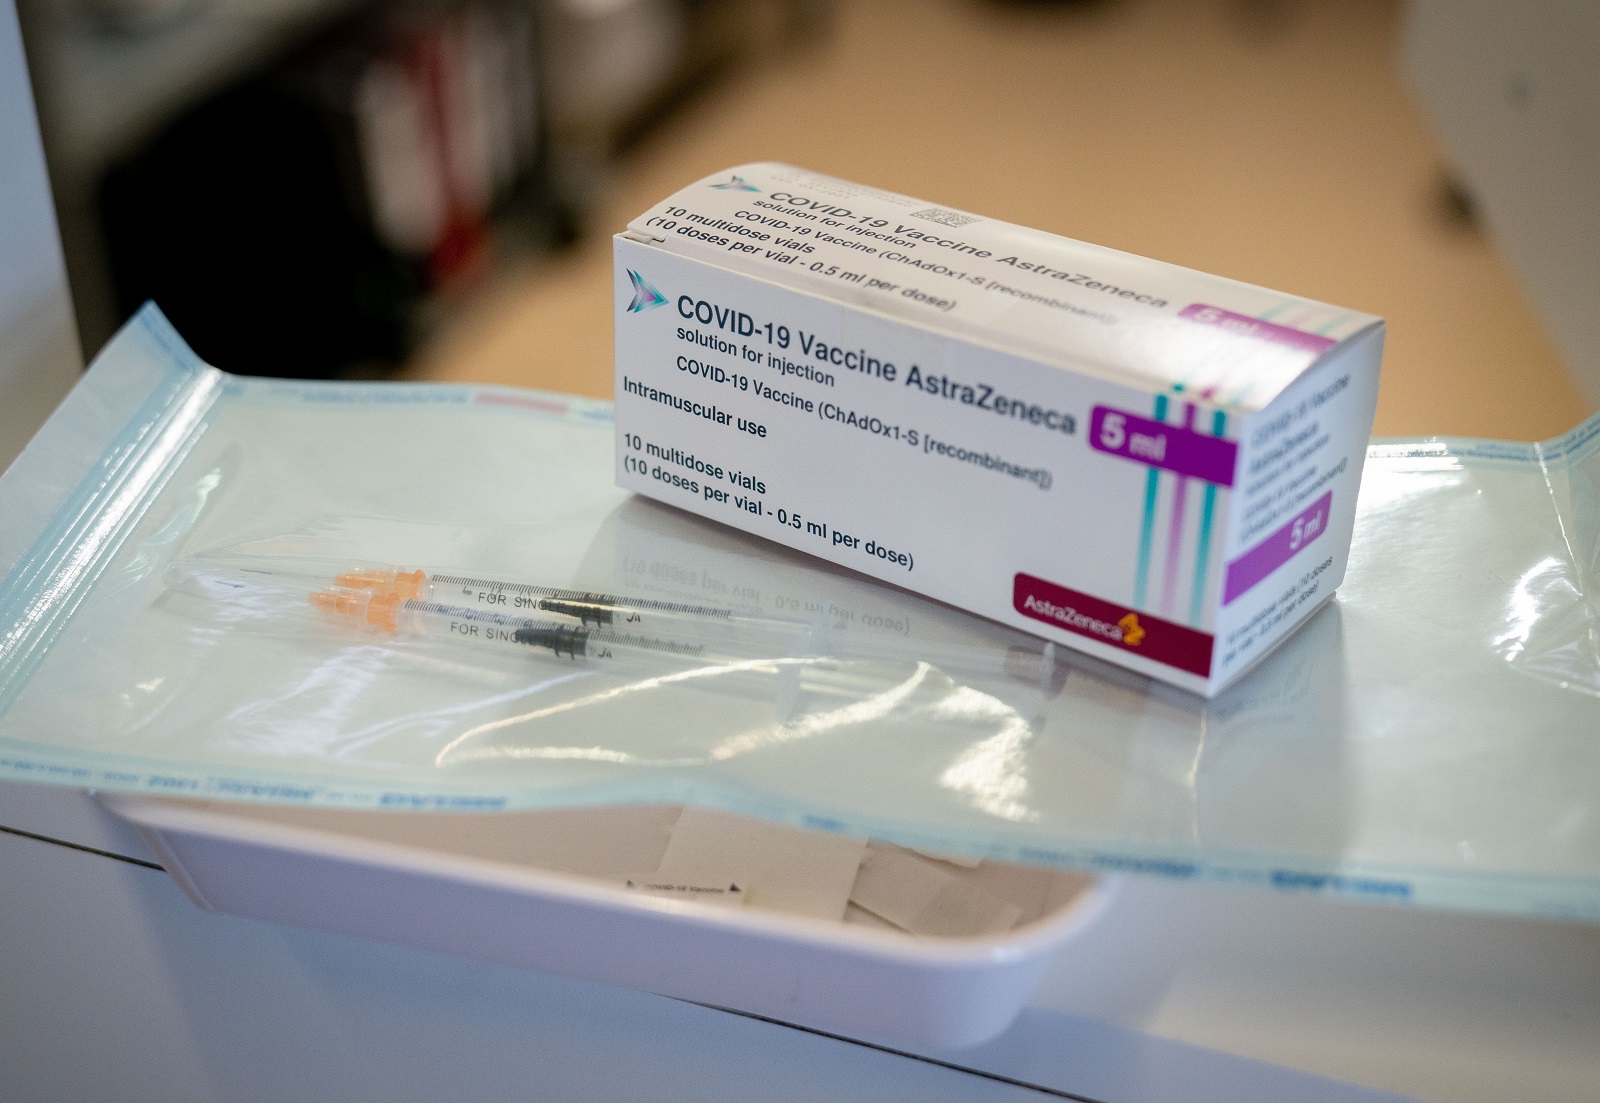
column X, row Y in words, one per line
column 1271, row 142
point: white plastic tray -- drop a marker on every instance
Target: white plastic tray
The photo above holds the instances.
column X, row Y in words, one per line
column 540, row 890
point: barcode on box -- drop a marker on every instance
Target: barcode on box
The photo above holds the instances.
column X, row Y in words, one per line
column 953, row 219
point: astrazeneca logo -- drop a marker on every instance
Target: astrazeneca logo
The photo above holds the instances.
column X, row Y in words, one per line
column 736, row 183
column 645, row 297
column 1132, row 630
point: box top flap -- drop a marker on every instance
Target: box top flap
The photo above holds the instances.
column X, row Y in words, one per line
column 1115, row 315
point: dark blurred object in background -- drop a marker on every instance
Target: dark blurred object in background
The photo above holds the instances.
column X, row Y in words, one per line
column 240, row 222
column 293, row 224
column 302, row 184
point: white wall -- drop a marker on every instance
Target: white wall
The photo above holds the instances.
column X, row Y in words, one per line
column 39, row 354
column 1512, row 88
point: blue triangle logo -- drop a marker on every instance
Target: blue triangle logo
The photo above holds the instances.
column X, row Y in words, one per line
column 645, row 297
column 736, row 183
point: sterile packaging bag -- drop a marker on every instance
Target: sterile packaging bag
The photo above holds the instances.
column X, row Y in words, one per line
column 1431, row 737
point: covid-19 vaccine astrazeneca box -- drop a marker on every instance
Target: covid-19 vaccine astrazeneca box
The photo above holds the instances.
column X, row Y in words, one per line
column 1152, row 465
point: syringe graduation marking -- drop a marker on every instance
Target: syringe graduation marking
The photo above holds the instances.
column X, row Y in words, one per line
column 579, row 603
column 561, row 639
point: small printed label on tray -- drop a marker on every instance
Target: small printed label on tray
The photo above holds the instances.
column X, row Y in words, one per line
column 728, row 891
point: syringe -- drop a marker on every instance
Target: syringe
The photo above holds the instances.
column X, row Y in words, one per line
column 414, row 618
column 411, row 617
column 257, row 582
column 1033, row 662
column 585, row 606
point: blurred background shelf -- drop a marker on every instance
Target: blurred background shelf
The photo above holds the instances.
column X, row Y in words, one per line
column 112, row 81
column 308, row 186
column 1275, row 141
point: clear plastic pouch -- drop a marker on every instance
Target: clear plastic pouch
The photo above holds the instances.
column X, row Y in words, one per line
column 1431, row 736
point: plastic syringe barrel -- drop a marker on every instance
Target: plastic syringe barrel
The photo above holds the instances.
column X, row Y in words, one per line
column 582, row 605
column 559, row 639
column 572, row 641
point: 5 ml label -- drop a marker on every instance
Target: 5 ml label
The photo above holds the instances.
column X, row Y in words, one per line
column 1156, row 444
column 1277, row 549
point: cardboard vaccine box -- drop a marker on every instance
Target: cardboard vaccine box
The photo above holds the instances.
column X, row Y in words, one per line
column 1151, row 465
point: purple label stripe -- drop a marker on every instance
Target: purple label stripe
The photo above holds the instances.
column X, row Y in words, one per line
column 1277, row 549
column 1246, row 326
column 1169, row 447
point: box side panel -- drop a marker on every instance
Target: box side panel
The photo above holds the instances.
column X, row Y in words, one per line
column 1288, row 539
column 1068, row 506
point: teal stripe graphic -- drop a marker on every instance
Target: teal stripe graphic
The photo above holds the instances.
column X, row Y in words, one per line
column 1202, row 555
column 1147, row 528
